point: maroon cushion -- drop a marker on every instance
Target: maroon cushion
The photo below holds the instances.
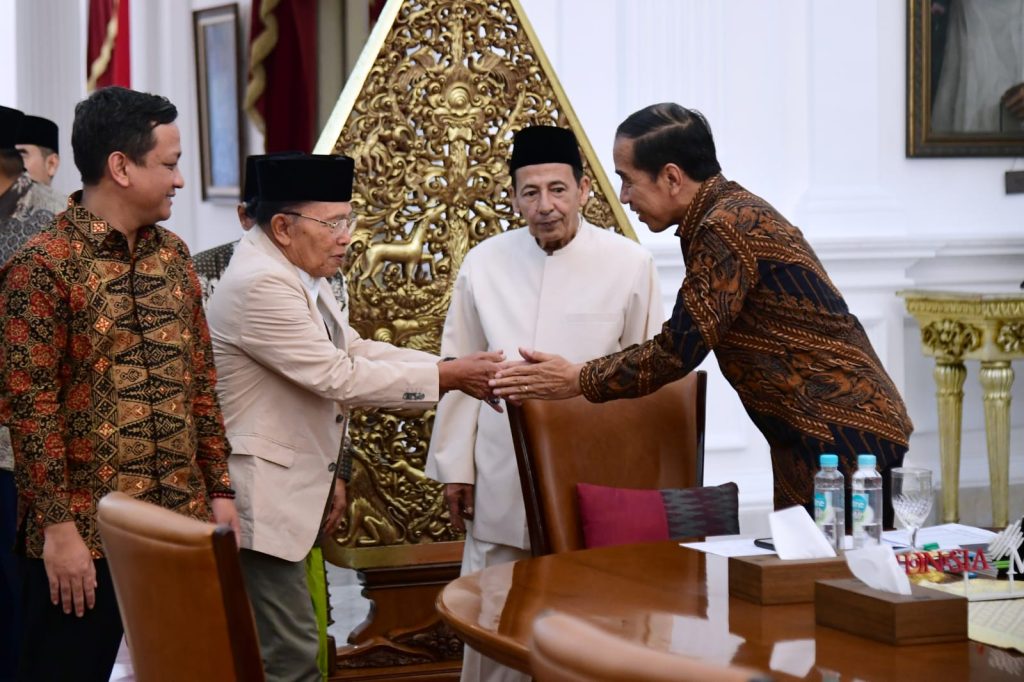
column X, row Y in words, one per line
column 617, row 516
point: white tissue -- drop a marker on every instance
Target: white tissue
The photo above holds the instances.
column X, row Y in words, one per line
column 876, row 567
column 796, row 537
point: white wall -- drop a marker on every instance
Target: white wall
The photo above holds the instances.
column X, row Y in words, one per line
column 807, row 102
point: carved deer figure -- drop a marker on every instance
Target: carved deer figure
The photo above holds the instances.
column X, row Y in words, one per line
column 408, row 254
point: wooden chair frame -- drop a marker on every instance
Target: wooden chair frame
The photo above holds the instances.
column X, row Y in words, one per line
column 123, row 522
column 525, row 433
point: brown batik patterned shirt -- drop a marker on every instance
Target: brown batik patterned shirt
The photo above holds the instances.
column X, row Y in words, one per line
column 108, row 375
column 756, row 294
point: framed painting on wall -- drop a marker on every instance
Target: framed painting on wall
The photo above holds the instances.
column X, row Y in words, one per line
column 965, row 78
column 219, row 96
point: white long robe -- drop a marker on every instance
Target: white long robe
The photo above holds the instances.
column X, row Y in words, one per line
column 595, row 296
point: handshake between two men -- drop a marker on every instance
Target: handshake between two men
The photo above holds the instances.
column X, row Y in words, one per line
column 488, row 376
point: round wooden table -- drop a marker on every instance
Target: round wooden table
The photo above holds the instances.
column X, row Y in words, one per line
column 673, row 598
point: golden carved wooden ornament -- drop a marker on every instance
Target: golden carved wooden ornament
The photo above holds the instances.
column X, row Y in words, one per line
column 428, row 114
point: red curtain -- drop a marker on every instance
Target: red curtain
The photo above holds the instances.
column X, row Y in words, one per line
column 376, row 7
column 283, row 73
column 108, row 55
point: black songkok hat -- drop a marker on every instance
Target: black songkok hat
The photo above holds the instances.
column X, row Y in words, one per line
column 39, row 131
column 305, row 177
column 251, row 184
column 10, row 123
column 544, row 144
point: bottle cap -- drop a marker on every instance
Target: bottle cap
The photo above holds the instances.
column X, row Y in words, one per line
column 829, row 460
column 866, row 461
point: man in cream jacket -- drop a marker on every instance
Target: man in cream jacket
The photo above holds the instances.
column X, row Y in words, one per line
column 289, row 369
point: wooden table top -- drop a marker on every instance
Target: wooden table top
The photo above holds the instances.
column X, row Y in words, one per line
column 677, row 599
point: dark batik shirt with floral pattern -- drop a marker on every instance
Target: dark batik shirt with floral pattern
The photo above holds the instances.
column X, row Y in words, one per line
column 756, row 294
column 108, row 376
column 25, row 208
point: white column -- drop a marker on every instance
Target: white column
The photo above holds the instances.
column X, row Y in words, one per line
column 8, row 53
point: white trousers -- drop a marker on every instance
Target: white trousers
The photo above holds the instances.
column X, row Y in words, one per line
column 476, row 556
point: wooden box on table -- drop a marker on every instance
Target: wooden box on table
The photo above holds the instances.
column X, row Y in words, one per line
column 767, row 579
column 924, row 617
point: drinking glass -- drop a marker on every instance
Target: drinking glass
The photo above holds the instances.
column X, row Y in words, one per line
column 912, row 498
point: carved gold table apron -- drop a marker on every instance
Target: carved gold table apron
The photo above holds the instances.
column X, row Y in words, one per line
column 963, row 326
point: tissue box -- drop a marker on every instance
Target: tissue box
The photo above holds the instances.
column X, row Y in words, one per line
column 767, row 579
column 924, row 617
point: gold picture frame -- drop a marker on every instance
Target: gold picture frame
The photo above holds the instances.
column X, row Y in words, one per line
column 947, row 49
column 218, row 85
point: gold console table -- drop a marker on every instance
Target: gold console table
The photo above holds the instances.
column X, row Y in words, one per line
column 963, row 326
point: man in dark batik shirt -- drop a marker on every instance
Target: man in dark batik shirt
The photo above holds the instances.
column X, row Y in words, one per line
column 108, row 379
column 755, row 294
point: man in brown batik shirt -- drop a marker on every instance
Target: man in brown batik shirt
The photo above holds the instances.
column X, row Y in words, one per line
column 756, row 294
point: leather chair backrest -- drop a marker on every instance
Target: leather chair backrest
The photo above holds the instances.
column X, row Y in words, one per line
column 181, row 594
column 656, row 441
column 567, row 649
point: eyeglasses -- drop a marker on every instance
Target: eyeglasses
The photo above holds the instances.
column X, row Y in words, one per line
column 339, row 227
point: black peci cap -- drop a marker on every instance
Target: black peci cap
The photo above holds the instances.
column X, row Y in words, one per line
column 10, row 123
column 305, row 177
column 251, row 182
column 39, row 131
column 544, row 144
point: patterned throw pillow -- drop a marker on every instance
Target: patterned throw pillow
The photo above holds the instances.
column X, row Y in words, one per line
column 618, row 516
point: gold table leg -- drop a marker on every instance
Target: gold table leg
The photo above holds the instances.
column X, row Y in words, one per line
column 949, row 381
column 996, row 383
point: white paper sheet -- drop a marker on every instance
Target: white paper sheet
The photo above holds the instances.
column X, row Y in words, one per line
column 734, row 547
column 948, row 535
column 796, row 537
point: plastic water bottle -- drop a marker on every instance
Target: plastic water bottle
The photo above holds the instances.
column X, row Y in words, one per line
column 830, row 502
column 867, row 503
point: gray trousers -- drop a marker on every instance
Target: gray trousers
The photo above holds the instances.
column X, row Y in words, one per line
column 285, row 621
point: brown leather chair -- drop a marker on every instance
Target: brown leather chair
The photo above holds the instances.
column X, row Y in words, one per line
column 567, row 649
column 181, row 594
column 656, row 441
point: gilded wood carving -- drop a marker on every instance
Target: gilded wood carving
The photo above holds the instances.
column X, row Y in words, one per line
column 429, row 115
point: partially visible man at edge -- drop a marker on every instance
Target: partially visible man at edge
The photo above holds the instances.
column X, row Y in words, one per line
column 756, row 294
column 25, row 208
column 38, row 142
column 97, row 398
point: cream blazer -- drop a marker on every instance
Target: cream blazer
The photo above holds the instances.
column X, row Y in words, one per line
column 597, row 295
column 287, row 375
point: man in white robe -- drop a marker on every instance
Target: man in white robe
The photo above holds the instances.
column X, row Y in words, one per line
column 561, row 283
